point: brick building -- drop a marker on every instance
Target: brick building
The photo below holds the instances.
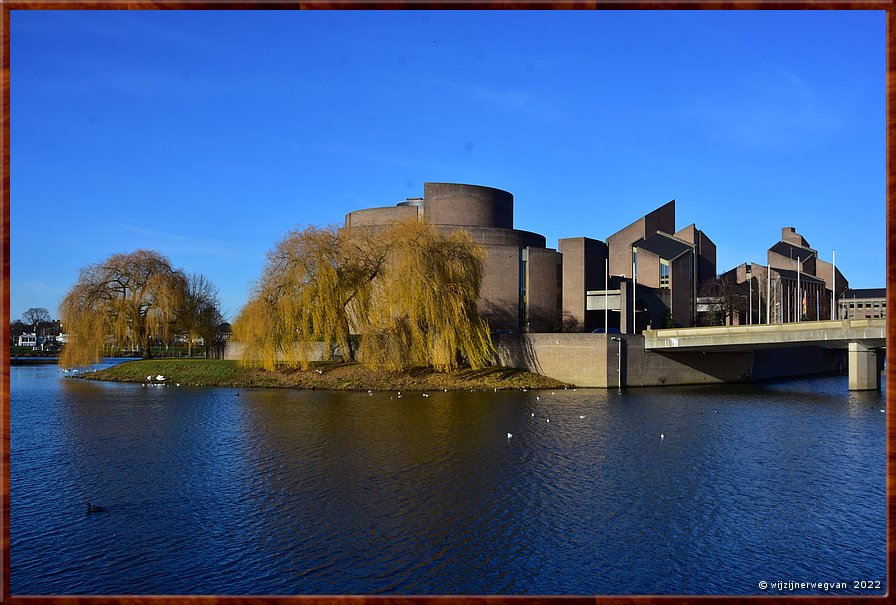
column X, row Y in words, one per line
column 521, row 276
column 863, row 303
column 668, row 266
column 796, row 285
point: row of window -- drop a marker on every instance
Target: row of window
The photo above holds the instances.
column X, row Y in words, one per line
column 868, row 305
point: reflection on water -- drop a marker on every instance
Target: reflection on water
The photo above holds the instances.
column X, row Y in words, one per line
column 306, row 492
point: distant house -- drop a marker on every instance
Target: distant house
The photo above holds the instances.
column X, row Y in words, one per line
column 28, row 340
column 864, row 303
column 223, row 331
column 222, row 335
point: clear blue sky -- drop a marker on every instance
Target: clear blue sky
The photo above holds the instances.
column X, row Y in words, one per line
column 208, row 135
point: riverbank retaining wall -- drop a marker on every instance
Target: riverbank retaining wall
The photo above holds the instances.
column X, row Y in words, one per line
column 595, row 360
column 315, row 352
column 579, row 359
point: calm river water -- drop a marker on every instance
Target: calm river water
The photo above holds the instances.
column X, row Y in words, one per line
column 707, row 490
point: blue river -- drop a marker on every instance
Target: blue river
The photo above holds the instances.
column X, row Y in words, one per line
column 774, row 489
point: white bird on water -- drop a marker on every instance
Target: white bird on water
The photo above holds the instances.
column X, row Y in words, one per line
column 662, row 436
column 160, row 377
column 581, row 417
column 548, row 419
column 509, row 435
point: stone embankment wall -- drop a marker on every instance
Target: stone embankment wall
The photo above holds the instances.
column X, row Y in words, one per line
column 234, row 351
column 590, row 360
column 580, row 359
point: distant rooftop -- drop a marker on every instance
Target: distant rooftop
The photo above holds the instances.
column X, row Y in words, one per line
column 865, row 293
column 803, row 277
column 794, row 252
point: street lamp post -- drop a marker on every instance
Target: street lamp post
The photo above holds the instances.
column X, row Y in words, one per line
column 750, row 298
column 634, row 289
column 606, row 295
column 833, row 285
column 618, row 360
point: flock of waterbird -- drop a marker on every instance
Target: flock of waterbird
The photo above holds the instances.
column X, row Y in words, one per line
column 538, row 398
column 161, row 381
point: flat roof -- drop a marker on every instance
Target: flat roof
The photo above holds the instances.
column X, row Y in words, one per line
column 865, row 293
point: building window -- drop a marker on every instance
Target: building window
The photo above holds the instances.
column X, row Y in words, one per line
column 664, row 274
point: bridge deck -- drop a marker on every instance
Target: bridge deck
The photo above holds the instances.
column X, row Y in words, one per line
column 829, row 334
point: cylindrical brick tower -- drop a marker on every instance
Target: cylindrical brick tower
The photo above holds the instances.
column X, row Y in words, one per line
column 468, row 205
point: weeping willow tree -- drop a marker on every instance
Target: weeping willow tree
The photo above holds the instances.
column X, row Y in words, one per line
column 408, row 290
column 425, row 302
column 120, row 303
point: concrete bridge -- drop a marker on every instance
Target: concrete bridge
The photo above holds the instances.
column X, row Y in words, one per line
column 863, row 338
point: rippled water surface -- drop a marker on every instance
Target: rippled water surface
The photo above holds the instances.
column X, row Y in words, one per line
column 651, row 491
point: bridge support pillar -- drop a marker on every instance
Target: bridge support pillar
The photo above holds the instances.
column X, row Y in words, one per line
column 864, row 373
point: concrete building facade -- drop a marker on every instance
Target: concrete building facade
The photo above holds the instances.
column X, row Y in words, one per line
column 863, row 303
column 795, row 286
column 521, row 285
column 666, row 266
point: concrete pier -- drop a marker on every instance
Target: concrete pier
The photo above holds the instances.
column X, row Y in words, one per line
column 864, row 369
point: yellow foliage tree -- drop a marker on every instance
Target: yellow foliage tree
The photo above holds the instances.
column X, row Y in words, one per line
column 120, row 303
column 409, row 291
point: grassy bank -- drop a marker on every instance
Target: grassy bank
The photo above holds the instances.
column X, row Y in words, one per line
column 333, row 376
